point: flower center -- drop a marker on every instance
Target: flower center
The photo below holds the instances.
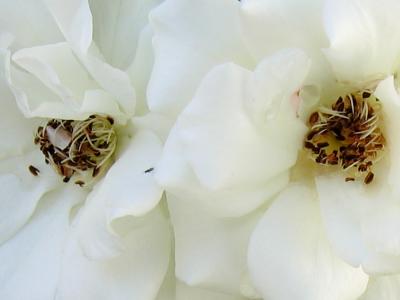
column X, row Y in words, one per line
column 347, row 135
column 72, row 146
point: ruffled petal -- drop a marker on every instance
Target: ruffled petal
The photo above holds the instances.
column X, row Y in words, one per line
column 239, row 135
column 362, row 223
column 136, row 273
column 290, row 257
column 128, row 189
column 31, row 260
column 210, row 252
column 75, row 21
column 117, row 26
column 357, row 30
column 269, row 26
column 55, row 85
column 186, row 49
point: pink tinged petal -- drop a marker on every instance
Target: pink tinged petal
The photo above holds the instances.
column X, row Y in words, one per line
column 185, row 48
column 136, row 273
column 238, row 136
column 357, row 30
column 31, row 260
column 290, row 257
column 210, row 252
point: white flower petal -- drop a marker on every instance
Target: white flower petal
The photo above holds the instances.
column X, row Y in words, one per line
column 61, row 74
column 29, row 22
column 240, row 134
column 186, row 49
column 291, row 258
column 357, row 30
column 15, row 131
column 140, row 69
column 137, row 273
column 383, row 288
column 21, row 190
column 117, row 26
column 126, row 190
column 31, row 260
column 74, row 20
column 210, row 252
column 387, row 93
column 185, row 292
column 362, row 223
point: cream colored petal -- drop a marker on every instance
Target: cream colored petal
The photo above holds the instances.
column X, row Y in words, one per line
column 191, row 37
column 136, row 273
column 290, row 256
column 31, row 260
column 383, row 288
column 237, row 139
column 364, row 39
column 29, row 22
column 210, row 252
column 117, row 26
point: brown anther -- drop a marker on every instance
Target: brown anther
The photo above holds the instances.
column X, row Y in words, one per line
column 90, row 144
column 80, row 183
column 313, row 118
column 35, row 171
column 322, row 145
column 366, row 95
column 350, row 128
column 368, row 179
column 349, row 179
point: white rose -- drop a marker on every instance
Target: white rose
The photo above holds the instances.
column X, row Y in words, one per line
column 70, row 60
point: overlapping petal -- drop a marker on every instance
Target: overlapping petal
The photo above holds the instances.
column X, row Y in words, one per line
column 189, row 39
column 290, row 256
column 233, row 145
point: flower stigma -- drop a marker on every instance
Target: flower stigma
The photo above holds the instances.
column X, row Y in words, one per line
column 76, row 147
column 347, row 135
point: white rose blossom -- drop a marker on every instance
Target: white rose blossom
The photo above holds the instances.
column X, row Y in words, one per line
column 242, row 111
column 109, row 238
column 280, row 159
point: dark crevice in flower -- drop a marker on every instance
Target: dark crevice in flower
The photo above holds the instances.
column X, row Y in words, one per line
column 347, row 135
column 72, row 146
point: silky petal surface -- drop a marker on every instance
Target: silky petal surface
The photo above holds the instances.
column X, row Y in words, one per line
column 382, row 288
column 29, row 22
column 126, row 190
column 210, row 252
column 290, row 257
column 239, row 134
column 117, row 26
column 136, row 273
column 31, row 260
column 268, row 26
column 186, row 48
column 363, row 221
column 56, row 85
column 357, row 30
